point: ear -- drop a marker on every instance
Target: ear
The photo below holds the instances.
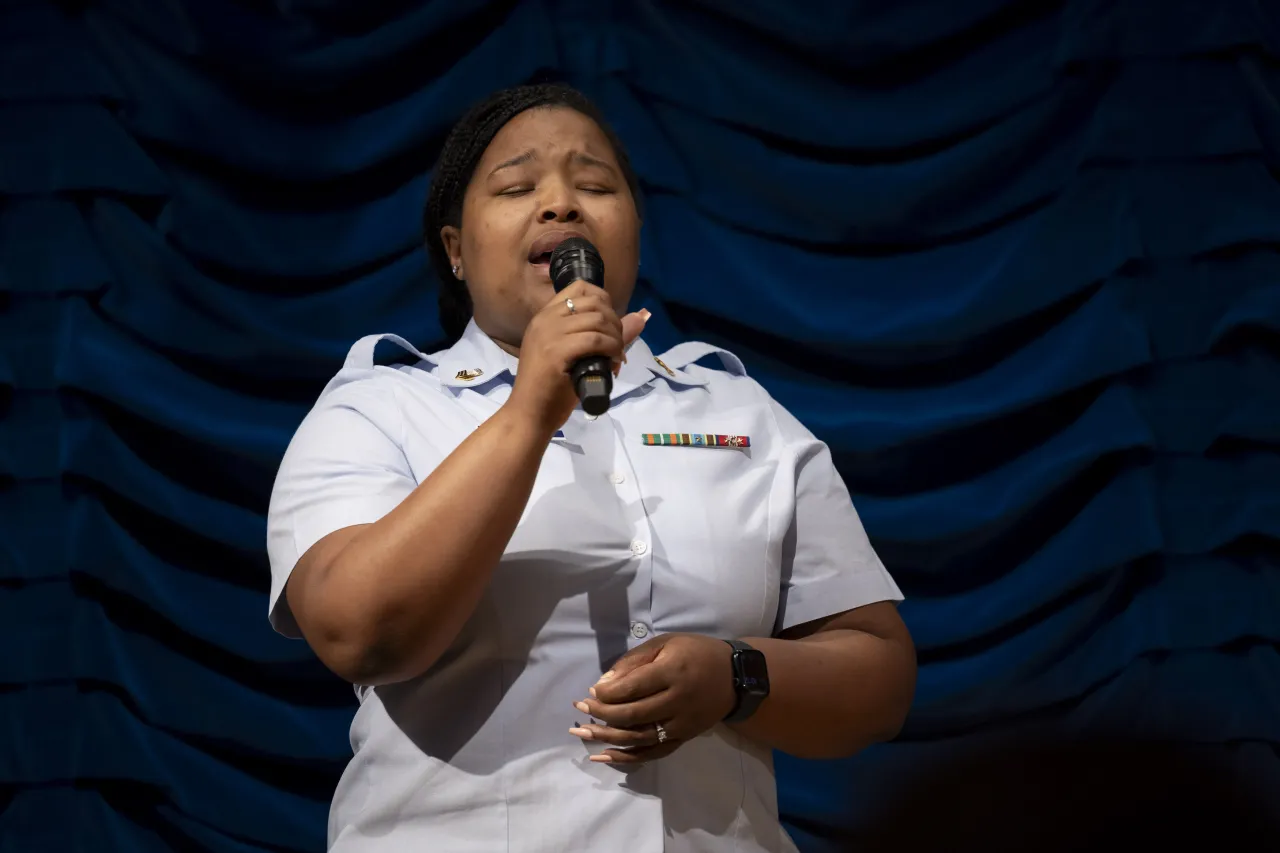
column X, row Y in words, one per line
column 451, row 237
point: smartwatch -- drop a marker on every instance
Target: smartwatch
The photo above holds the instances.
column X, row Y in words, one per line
column 750, row 680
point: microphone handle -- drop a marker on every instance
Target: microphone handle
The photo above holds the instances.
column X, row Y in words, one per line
column 592, row 375
column 592, row 378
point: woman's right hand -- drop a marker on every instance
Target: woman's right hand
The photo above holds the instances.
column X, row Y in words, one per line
column 555, row 339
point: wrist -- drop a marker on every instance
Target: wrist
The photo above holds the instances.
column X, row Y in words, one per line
column 750, row 673
column 521, row 424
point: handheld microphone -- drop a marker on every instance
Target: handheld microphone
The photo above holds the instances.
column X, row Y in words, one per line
column 577, row 260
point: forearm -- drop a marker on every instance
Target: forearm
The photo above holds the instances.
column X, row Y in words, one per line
column 415, row 576
column 832, row 693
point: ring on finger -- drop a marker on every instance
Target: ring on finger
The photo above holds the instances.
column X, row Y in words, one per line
column 569, row 304
column 662, row 733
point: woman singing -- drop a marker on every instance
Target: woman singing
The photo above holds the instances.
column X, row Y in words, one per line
column 571, row 633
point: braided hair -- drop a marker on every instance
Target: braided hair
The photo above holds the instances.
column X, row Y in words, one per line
column 462, row 151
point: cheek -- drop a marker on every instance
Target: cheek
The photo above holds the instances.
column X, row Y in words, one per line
column 623, row 253
column 617, row 224
column 492, row 241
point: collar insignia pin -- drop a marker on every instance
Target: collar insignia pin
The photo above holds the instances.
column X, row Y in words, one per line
column 663, row 365
column 468, row 375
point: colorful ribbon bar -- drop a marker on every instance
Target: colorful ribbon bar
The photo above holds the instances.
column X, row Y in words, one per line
column 694, row 439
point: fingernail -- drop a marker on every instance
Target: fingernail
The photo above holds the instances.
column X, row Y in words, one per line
column 608, row 675
column 585, row 734
column 582, row 706
column 592, row 691
column 645, row 315
column 601, row 758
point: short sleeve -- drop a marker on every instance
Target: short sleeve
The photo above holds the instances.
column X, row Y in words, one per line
column 344, row 466
column 828, row 564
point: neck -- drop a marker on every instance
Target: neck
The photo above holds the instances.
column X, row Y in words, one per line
column 505, row 346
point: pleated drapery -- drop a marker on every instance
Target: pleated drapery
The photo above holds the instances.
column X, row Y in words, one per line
column 1017, row 262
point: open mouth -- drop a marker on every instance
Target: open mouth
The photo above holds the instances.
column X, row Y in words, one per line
column 543, row 246
column 542, row 263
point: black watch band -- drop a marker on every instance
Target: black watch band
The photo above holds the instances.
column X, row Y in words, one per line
column 750, row 680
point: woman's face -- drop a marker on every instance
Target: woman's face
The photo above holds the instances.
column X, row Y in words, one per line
column 549, row 174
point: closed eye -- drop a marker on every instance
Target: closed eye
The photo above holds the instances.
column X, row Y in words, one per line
column 520, row 190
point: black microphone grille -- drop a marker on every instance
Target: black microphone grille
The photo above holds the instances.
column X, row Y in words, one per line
column 576, row 259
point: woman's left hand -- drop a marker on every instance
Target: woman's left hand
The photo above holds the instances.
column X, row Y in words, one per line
column 682, row 682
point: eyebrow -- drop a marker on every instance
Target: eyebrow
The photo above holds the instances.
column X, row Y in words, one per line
column 583, row 159
column 579, row 157
column 518, row 160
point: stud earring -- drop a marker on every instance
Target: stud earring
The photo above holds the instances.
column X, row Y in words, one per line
column 455, row 269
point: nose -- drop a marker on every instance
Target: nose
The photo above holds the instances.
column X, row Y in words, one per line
column 559, row 205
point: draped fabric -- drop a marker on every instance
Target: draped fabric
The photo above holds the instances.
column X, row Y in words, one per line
column 1017, row 262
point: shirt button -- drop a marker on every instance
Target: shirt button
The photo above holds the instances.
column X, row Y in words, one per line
column 638, row 547
column 591, row 417
column 639, row 630
column 617, row 479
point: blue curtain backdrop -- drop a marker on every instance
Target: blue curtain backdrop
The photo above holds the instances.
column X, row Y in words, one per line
column 1018, row 263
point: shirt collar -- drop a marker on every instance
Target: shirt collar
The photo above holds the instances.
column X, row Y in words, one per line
column 476, row 360
column 642, row 365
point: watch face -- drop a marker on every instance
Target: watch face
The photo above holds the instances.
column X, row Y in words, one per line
column 753, row 674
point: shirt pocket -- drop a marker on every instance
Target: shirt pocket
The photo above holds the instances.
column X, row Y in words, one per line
column 717, row 550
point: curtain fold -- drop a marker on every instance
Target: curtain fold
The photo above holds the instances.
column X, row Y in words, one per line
column 1017, row 262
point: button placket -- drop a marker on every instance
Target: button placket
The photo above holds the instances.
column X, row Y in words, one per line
column 640, row 591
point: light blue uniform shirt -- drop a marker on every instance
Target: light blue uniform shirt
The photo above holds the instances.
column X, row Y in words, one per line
column 619, row 542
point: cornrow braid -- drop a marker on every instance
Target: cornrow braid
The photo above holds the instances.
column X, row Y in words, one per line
column 463, row 148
